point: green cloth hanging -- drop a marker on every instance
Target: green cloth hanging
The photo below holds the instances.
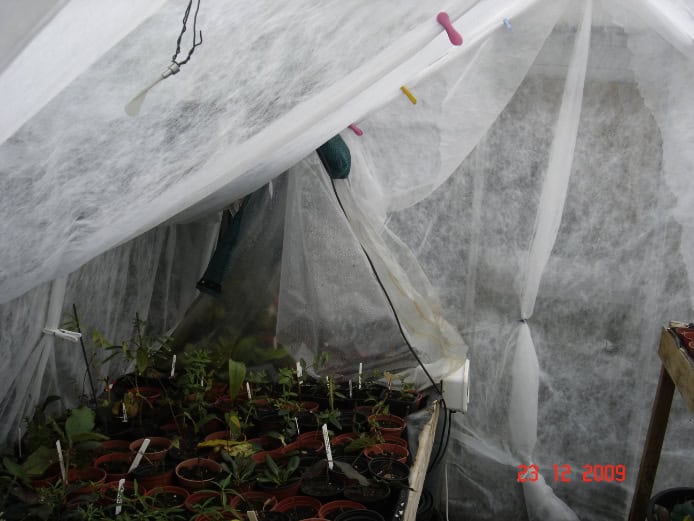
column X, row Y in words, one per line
column 336, row 158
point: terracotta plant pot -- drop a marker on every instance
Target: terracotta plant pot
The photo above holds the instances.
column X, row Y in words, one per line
column 285, row 491
column 91, row 477
column 48, row 478
column 388, row 423
column 168, row 496
column 112, row 446
column 387, row 449
column 335, row 508
column 253, row 500
column 150, row 475
column 109, row 491
column 157, row 448
column 299, row 507
column 197, row 500
column 390, row 438
column 116, row 465
column 310, row 406
column 208, row 470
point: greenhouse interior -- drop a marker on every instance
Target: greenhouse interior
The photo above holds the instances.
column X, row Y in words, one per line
column 365, row 260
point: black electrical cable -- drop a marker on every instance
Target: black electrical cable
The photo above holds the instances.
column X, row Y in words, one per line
column 445, row 444
column 447, row 419
column 392, row 306
column 183, row 30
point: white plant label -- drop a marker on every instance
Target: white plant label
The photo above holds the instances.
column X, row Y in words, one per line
column 361, row 368
column 202, row 383
column 119, row 497
column 248, row 390
column 138, row 456
column 61, row 460
column 328, row 450
column 350, row 387
column 173, row 366
column 296, row 420
column 274, row 342
column 299, row 372
column 125, row 414
column 252, row 516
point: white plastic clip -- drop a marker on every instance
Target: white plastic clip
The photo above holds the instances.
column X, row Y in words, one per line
column 70, row 336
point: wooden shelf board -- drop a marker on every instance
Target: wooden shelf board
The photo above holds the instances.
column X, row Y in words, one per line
column 679, row 366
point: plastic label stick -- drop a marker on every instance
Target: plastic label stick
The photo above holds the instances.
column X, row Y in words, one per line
column 328, row 451
column 138, row 456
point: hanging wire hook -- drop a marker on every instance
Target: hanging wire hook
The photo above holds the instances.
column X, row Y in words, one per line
column 183, row 30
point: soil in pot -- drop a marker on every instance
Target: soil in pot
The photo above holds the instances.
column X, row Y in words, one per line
column 252, row 501
column 321, row 489
column 168, row 497
column 156, row 450
column 203, row 500
column 284, row 491
column 115, row 465
column 151, row 475
column 389, row 470
column 198, row 473
column 373, row 496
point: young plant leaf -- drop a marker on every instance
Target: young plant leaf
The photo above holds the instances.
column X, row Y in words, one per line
column 237, row 374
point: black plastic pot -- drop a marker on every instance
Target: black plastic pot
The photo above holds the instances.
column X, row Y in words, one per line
column 389, row 470
column 668, row 499
column 322, row 489
column 375, row 496
column 360, row 515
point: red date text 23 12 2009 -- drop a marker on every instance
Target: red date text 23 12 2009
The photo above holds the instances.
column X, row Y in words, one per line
column 563, row 473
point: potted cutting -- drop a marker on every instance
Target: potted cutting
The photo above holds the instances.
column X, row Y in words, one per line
column 281, row 481
column 197, row 473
